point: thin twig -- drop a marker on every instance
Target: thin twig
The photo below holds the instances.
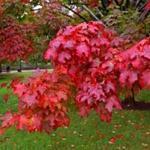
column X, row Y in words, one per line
column 75, row 12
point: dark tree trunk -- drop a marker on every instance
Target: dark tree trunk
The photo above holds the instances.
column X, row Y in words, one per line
column 20, row 66
column 130, row 99
column 133, row 96
column 8, row 68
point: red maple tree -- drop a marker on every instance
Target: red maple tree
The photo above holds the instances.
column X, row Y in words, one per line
column 14, row 44
column 84, row 57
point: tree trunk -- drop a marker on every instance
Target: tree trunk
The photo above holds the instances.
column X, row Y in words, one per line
column 130, row 99
column 133, row 96
column 8, row 68
column 20, row 66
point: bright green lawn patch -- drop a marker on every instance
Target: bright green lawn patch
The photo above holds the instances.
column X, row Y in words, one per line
column 131, row 127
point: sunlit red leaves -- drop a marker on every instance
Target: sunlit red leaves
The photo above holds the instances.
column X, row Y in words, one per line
column 83, row 56
column 145, row 79
column 7, row 120
column 85, row 51
column 41, row 105
column 134, row 66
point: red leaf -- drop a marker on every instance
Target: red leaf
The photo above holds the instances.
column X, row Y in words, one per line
column 115, row 138
column 3, row 85
column 63, row 57
column 83, row 49
column 112, row 102
column 145, row 79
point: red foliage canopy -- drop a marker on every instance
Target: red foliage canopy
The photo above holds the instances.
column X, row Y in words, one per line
column 41, row 103
column 13, row 42
column 85, row 51
column 84, row 57
column 134, row 65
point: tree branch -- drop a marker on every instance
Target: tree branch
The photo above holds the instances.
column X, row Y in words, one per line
column 90, row 12
column 67, row 7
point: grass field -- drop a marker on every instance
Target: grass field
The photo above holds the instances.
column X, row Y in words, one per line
column 129, row 130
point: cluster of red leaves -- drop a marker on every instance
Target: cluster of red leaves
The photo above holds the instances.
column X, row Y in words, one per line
column 84, row 56
column 86, row 52
column 41, row 105
column 134, row 65
column 13, row 43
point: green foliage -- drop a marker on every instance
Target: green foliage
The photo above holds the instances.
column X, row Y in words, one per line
column 127, row 23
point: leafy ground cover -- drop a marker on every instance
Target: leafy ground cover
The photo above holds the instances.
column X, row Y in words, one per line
column 129, row 129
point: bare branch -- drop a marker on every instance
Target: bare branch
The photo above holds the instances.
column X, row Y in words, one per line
column 67, row 7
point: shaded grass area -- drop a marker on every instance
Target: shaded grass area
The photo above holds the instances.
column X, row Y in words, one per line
column 7, row 77
column 128, row 130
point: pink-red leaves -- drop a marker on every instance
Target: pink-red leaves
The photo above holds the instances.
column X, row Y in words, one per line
column 19, row 88
column 42, row 101
column 96, row 67
column 84, row 56
column 113, row 101
column 134, row 65
column 128, row 78
column 83, row 50
column 7, row 120
column 86, row 53
column 145, row 79
column 63, row 57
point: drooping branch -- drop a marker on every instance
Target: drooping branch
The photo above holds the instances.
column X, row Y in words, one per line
column 67, row 7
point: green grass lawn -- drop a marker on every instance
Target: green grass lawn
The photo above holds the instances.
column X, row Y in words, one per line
column 132, row 129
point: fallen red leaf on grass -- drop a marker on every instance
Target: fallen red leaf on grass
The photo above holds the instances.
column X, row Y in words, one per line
column 2, row 131
column 3, row 85
column 115, row 138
